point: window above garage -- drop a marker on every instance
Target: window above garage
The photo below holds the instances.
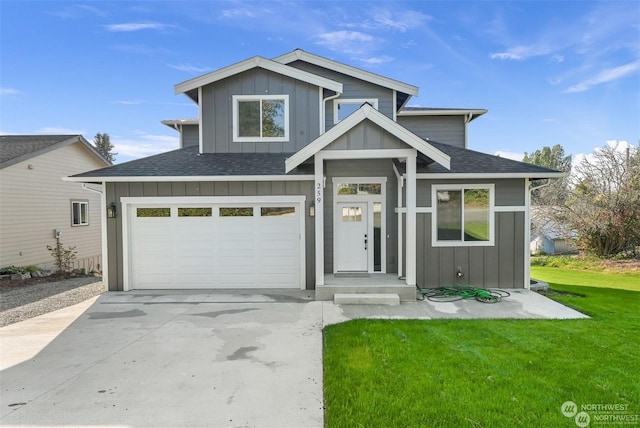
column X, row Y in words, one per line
column 260, row 118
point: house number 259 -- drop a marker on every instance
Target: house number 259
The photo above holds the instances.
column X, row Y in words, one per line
column 318, row 193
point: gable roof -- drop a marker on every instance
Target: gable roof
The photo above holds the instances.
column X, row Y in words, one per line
column 467, row 163
column 187, row 164
column 367, row 112
column 18, row 148
column 189, row 86
column 299, row 54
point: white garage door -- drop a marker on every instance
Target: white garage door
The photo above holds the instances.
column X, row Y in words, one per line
column 215, row 245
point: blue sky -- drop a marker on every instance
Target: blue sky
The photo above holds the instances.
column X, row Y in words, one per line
column 549, row 72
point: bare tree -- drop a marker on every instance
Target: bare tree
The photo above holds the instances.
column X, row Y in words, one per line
column 603, row 206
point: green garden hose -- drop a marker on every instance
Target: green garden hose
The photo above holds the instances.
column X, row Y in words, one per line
column 455, row 293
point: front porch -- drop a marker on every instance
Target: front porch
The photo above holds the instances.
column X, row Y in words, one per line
column 378, row 283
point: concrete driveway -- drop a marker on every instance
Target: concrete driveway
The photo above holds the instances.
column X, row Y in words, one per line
column 193, row 359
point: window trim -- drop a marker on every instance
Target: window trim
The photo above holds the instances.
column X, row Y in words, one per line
column 260, row 98
column 80, row 203
column 338, row 101
column 435, row 188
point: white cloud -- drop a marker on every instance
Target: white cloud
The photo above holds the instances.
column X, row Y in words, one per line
column 143, row 145
column 504, row 55
column 353, row 42
column 399, row 20
column 189, row 68
column 60, row 131
column 376, row 60
column 137, row 26
column 129, row 102
column 238, row 13
column 619, row 145
column 523, row 52
column 606, row 76
column 510, row 155
column 9, row 91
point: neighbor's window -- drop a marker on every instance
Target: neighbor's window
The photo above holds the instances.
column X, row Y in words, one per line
column 79, row 213
column 463, row 215
column 260, row 118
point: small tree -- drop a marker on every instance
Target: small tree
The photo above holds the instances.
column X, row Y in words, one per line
column 104, row 146
column 604, row 203
column 63, row 257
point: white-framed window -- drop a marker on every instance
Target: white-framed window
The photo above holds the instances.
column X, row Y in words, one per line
column 79, row 213
column 260, row 118
column 343, row 107
column 463, row 215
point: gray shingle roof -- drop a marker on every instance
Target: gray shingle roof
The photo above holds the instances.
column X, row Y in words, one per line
column 465, row 161
column 187, row 162
column 17, row 146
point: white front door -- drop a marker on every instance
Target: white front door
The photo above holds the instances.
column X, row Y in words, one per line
column 351, row 237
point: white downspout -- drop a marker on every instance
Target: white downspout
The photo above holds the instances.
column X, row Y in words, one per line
column 323, row 111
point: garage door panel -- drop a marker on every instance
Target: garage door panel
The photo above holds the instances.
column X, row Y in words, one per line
column 215, row 252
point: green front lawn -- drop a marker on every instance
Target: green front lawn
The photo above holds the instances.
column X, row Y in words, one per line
column 486, row 373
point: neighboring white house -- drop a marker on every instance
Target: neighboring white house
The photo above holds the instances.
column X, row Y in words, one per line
column 548, row 236
column 35, row 201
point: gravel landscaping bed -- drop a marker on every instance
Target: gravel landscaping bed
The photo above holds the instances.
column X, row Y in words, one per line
column 19, row 303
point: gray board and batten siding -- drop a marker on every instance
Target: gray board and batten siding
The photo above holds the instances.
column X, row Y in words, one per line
column 444, row 129
column 217, row 112
column 189, row 136
column 353, row 88
column 500, row 265
column 115, row 191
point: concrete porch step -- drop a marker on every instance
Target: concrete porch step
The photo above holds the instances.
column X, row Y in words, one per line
column 366, row 299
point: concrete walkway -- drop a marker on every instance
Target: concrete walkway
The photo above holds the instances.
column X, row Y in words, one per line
column 193, row 359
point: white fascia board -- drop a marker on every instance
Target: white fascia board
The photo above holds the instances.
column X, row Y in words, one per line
column 367, row 112
column 254, row 62
column 191, row 178
column 490, row 175
column 443, row 112
column 171, row 122
column 348, row 70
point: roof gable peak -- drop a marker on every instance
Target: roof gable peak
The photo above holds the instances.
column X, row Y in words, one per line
column 256, row 62
column 301, row 55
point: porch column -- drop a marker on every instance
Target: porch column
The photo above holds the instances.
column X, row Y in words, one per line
column 318, row 200
column 410, row 240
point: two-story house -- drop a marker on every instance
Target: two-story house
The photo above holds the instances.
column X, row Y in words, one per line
column 303, row 172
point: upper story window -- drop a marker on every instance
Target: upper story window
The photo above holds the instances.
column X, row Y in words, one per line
column 343, row 107
column 260, row 118
column 79, row 213
column 463, row 215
